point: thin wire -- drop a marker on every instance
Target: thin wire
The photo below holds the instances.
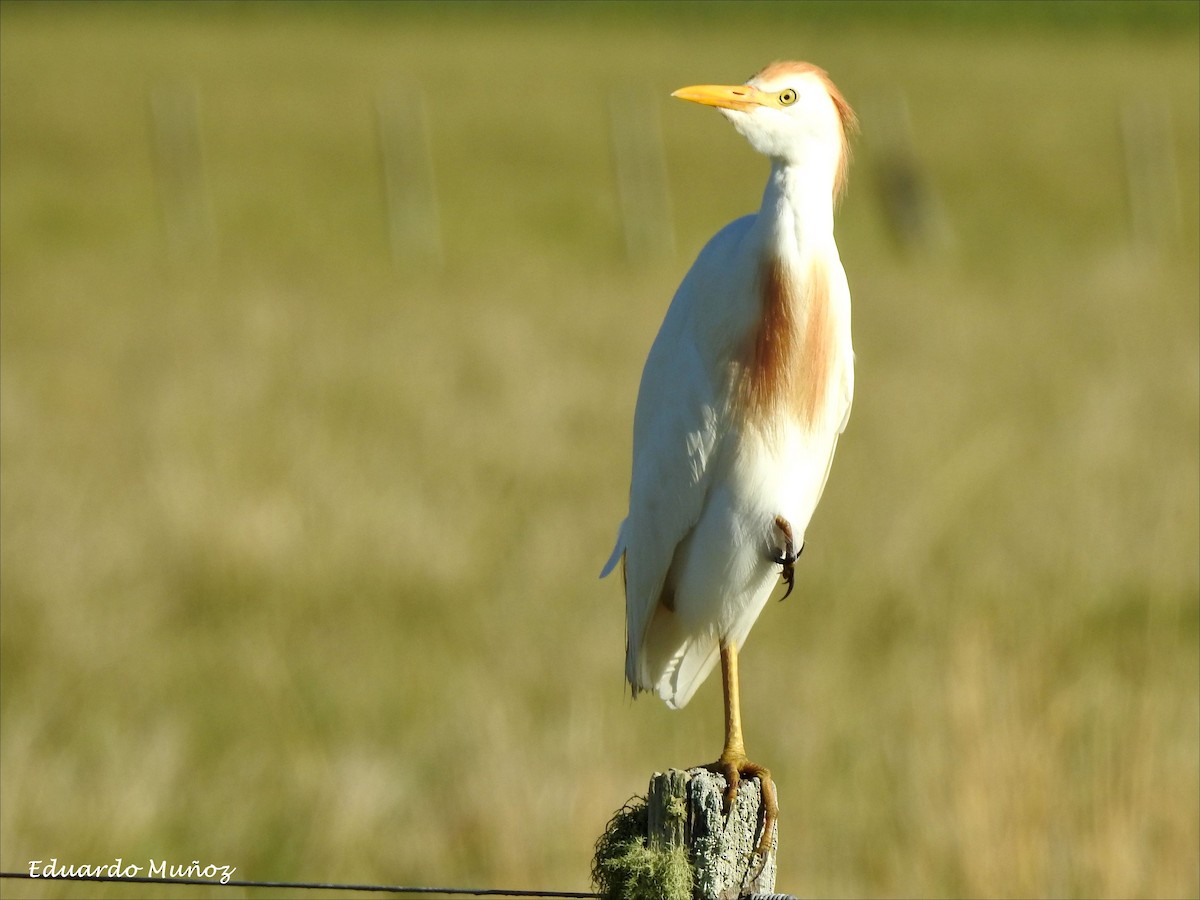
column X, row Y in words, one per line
column 324, row 886
column 308, row 886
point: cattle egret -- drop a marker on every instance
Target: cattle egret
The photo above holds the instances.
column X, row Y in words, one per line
column 744, row 393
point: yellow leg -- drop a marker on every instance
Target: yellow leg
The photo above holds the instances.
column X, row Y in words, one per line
column 735, row 746
column 733, row 762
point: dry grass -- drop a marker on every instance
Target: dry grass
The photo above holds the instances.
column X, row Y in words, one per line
column 299, row 549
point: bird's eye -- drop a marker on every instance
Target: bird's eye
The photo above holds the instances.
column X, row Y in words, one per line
column 787, row 98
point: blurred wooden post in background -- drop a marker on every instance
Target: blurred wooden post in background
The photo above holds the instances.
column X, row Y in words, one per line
column 406, row 157
column 641, row 171
column 684, row 808
column 911, row 208
column 1155, row 211
column 179, row 172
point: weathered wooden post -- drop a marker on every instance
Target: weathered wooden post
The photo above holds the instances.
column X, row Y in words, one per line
column 725, row 865
column 681, row 845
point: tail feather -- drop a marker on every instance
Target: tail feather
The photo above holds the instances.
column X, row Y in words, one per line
column 689, row 669
column 617, row 552
column 671, row 661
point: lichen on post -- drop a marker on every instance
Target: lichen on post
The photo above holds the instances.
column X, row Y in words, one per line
column 724, row 860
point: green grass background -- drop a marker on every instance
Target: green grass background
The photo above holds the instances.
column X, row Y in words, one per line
column 300, row 546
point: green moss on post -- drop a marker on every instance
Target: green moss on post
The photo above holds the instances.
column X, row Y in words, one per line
column 626, row 867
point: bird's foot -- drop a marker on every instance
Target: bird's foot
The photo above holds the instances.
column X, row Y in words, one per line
column 788, row 557
column 733, row 766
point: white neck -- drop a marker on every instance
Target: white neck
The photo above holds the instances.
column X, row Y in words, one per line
column 797, row 208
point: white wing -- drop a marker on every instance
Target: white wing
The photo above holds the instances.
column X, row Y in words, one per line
column 681, row 404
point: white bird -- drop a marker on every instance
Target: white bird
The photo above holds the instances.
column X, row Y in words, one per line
column 744, row 393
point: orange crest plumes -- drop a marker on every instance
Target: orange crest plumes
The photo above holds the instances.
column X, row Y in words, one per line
column 846, row 114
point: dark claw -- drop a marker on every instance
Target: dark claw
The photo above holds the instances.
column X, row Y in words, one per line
column 789, row 577
column 789, row 556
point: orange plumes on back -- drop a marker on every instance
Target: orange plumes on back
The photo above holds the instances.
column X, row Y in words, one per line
column 848, row 119
column 788, row 369
column 769, row 374
column 818, row 347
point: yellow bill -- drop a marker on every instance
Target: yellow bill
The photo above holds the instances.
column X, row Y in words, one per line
column 734, row 96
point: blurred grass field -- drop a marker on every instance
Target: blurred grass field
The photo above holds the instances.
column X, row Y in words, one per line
column 299, row 546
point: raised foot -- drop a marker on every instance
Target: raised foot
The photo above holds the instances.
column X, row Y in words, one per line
column 734, row 768
column 788, row 557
